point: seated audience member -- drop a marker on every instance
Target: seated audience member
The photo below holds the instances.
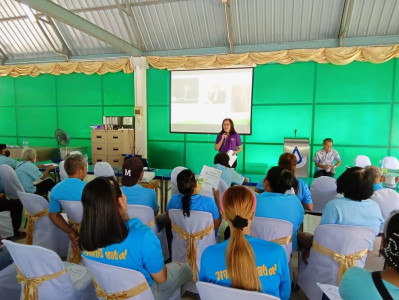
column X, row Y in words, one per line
column 103, row 169
column 5, row 160
column 273, row 203
column 245, row 262
column 28, row 172
column 325, row 159
column 355, row 208
column 229, row 175
column 360, row 284
column 288, row 161
column 133, row 171
column 387, row 199
column 69, row 189
column 106, row 228
column 189, row 199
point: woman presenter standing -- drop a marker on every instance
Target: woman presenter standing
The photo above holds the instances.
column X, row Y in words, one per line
column 228, row 139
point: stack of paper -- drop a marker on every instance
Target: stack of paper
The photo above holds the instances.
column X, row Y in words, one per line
column 208, row 179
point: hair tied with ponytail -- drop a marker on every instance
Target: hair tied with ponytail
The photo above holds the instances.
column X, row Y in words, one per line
column 240, row 223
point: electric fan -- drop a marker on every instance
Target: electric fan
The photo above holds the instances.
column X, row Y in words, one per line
column 62, row 138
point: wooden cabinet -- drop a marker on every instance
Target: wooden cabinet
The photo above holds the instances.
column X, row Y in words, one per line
column 109, row 145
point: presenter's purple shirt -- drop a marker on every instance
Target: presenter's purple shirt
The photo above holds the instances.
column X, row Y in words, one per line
column 231, row 142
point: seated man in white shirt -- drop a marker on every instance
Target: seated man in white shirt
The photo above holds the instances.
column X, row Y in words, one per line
column 325, row 159
column 229, row 175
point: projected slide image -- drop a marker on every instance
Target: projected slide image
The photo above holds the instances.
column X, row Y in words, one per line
column 185, row 90
column 201, row 99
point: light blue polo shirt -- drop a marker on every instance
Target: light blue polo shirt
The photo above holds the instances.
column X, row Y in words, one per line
column 68, row 189
column 138, row 195
column 140, row 251
column 4, row 160
column 198, row 203
column 229, row 175
column 27, row 173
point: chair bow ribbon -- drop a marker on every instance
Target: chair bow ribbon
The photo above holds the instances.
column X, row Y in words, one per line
column 130, row 293
column 284, row 240
column 345, row 260
column 31, row 224
column 31, row 284
column 192, row 244
column 150, row 224
column 75, row 256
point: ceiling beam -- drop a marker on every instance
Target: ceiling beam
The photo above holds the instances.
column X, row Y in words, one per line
column 227, row 14
column 63, row 15
column 345, row 20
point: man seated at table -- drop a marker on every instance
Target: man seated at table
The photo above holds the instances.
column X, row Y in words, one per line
column 5, row 160
column 69, row 189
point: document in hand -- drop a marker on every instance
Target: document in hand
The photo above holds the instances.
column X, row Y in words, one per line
column 232, row 157
column 208, row 179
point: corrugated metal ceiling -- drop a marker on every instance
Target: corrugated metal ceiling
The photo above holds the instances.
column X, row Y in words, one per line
column 190, row 27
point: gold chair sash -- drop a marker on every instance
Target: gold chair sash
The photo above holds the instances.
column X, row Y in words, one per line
column 31, row 284
column 345, row 260
column 130, row 293
column 283, row 240
column 31, row 224
column 150, row 224
column 75, row 256
column 192, row 245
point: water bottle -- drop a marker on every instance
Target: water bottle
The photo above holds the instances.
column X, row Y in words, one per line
column 25, row 144
column 86, row 159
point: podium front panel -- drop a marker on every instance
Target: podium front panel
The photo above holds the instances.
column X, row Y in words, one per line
column 300, row 148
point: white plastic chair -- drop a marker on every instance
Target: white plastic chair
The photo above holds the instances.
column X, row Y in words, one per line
column 10, row 289
column 197, row 221
column 362, row 161
column 388, row 201
column 45, row 233
column 322, row 268
column 113, row 279
column 211, row 291
column 103, row 168
column 391, row 163
column 322, row 190
column 74, row 211
column 11, row 183
column 12, row 186
column 173, row 179
column 63, row 174
column 36, row 261
column 272, row 230
column 146, row 215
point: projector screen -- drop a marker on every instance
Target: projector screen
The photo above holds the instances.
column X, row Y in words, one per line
column 201, row 99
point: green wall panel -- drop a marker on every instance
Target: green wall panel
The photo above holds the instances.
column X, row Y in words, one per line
column 118, row 89
column 165, row 155
column 260, row 158
column 36, row 121
column 199, row 154
column 7, row 94
column 271, row 124
column 353, row 124
column 396, row 81
column 76, row 120
column 8, row 140
column 395, row 126
column 82, row 143
column 355, row 82
column 275, row 83
column 39, row 142
column 209, row 138
column 8, row 124
column 79, row 89
column 158, row 125
column 121, row 111
column 35, row 91
column 158, row 87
